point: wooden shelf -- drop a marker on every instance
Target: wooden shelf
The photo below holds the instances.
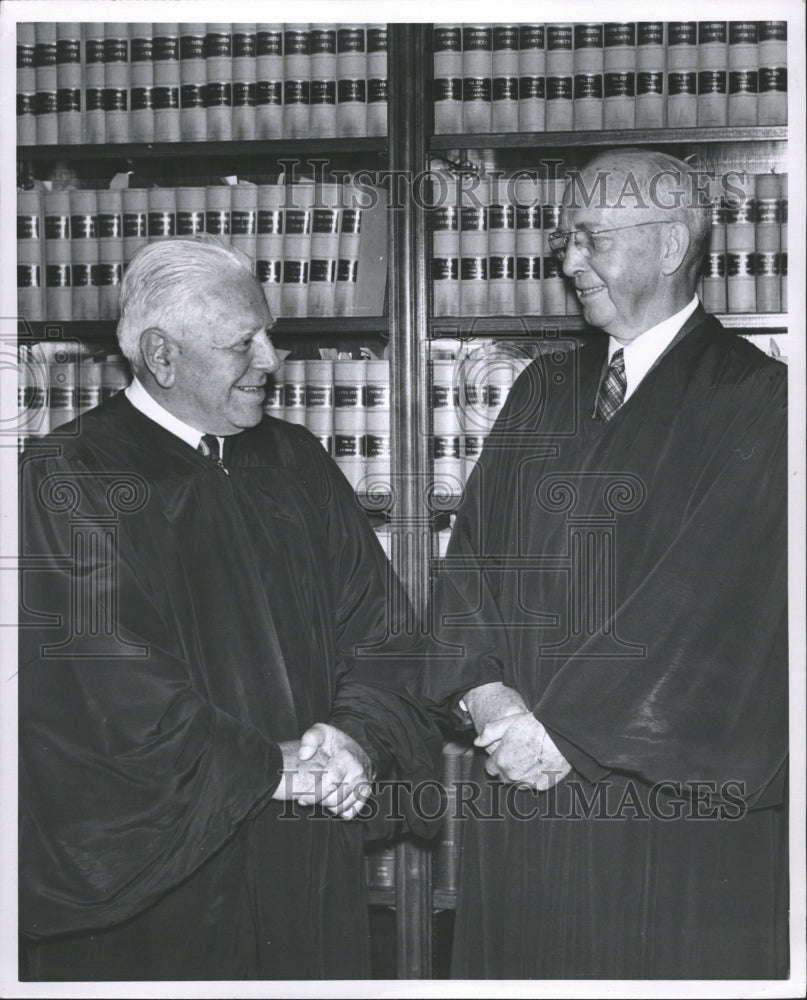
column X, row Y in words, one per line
column 444, row 899
column 271, row 148
column 613, row 137
column 104, row 329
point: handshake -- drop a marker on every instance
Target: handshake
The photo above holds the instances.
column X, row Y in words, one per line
column 326, row 767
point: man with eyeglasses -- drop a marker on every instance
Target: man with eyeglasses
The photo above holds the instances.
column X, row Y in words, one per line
column 611, row 622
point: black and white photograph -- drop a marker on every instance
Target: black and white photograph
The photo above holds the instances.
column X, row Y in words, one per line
column 402, row 520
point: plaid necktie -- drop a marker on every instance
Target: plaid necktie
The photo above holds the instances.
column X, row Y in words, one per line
column 612, row 390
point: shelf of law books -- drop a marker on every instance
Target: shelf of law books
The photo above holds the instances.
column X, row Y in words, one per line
column 517, row 109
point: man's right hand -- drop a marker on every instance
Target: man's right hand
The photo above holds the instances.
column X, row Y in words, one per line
column 491, row 702
column 300, row 777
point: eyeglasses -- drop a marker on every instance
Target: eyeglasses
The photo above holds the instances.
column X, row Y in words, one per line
column 584, row 240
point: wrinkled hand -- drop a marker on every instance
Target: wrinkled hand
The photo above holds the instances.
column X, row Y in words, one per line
column 345, row 781
column 522, row 751
column 490, row 702
column 299, row 776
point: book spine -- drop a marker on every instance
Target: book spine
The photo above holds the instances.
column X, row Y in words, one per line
column 110, row 252
column 619, row 75
column 190, row 204
column 93, row 83
column 740, row 246
column 347, row 268
column 474, row 249
column 529, row 246
column 244, row 219
column 445, row 223
column 379, row 864
column 713, row 286
column 324, row 250
column 26, row 84
column 712, row 74
column 449, row 846
column 501, row 252
column 371, row 273
column 90, row 379
column 162, row 211
column 588, row 68
column 141, row 53
column 269, row 244
column 29, row 255
column 559, row 77
column 218, row 209
column 166, row 82
column 350, row 419
column 477, row 69
column 447, row 78
column 32, row 391
column 650, row 65
column 743, row 72
column 45, row 75
column 68, row 82
column 446, row 429
column 377, row 79
column 378, row 453
column 116, row 82
column 504, row 84
column 351, row 80
column 274, row 403
column 322, row 89
column 772, row 80
column 297, row 219
column 135, row 222
column 532, row 78
column 269, row 82
column 472, row 408
column 553, row 290
column 219, row 82
column 682, row 74
column 319, row 401
column 296, row 81
column 768, row 263
column 193, row 82
column 62, row 390
column 783, row 240
column 84, row 253
column 294, row 391
column 245, row 41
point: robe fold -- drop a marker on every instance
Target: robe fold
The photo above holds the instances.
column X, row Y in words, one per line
column 629, row 579
column 177, row 623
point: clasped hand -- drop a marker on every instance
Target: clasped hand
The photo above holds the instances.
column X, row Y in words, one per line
column 328, row 767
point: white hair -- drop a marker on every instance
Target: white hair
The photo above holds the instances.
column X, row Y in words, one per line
column 162, row 285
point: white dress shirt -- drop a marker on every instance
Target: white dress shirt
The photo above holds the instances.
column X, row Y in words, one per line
column 643, row 352
column 142, row 400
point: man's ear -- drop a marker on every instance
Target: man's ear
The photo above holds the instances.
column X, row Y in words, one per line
column 675, row 247
column 158, row 354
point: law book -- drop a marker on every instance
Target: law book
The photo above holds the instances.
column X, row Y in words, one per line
column 447, row 428
column 713, row 281
column 650, row 65
column 33, row 383
column 379, row 862
column 371, row 272
column 135, row 222
column 553, row 290
column 501, row 251
column 166, row 82
column 322, row 88
column 350, row 235
column 219, row 82
column 772, row 80
column 783, row 239
column 619, row 75
column 294, row 391
column 62, row 389
column 26, row 84
column 45, row 75
column 378, row 468
column 470, row 390
column 193, row 81
column 90, row 383
column 445, row 227
column 269, row 82
column 245, row 40
column 351, row 80
column 141, row 78
column 296, row 80
column 768, row 245
column 350, row 419
column 29, row 255
column 162, row 211
column 741, row 244
column 588, row 70
column 712, row 74
column 116, row 81
column 93, row 70
column 319, row 401
column 274, row 403
column 504, row 73
column 559, row 77
column 377, row 79
column 447, row 41
column 531, row 78
column 682, row 74
column 447, row 44
column 474, row 249
column 448, row 850
column 244, row 219
column 218, row 209
column 743, row 72
column 324, row 249
column 110, row 252
column 297, row 219
column 191, row 203
column 527, row 194
column 531, row 50
column 477, row 69
column 269, row 243
column 68, row 82
column 84, row 253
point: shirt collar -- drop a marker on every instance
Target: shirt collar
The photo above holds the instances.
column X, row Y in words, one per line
column 142, row 400
column 642, row 353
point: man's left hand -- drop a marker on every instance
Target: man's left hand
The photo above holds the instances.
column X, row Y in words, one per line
column 523, row 752
column 347, row 777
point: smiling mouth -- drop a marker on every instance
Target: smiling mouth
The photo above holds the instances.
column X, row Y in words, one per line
column 587, row 293
column 250, row 388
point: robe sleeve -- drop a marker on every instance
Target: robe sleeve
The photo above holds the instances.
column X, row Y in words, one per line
column 129, row 778
column 708, row 698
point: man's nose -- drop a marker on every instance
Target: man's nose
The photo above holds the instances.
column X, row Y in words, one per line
column 264, row 355
column 574, row 260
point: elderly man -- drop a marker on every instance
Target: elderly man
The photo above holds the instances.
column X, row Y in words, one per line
column 208, row 629
column 611, row 621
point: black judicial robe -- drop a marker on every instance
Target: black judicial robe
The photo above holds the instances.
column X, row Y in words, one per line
column 629, row 580
column 177, row 622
